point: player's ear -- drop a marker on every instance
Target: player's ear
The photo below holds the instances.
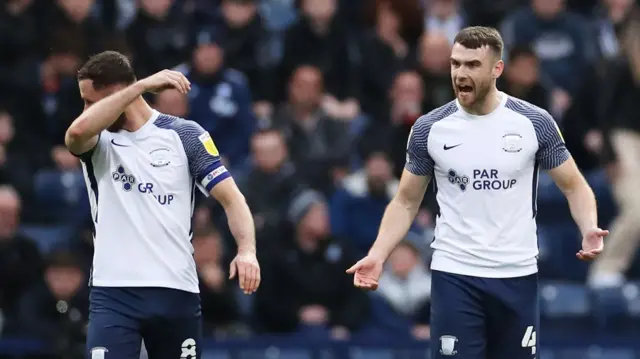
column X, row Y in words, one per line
column 498, row 68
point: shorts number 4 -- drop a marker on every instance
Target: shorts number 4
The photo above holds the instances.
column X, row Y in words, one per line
column 529, row 339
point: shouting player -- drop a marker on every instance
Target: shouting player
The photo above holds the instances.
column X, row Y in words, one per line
column 142, row 168
column 483, row 150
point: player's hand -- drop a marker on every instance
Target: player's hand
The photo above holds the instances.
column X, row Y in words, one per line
column 245, row 266
column 592, row 244
column 366, row 272
column 164, row 80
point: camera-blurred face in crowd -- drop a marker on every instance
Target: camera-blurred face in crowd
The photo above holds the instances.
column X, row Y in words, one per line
column 315, row 223
column 407, row 94
column 172, row 102
column 78, row 10
column 64, row 280
column 618, row 9
column 388, row 21
column 443, row 9
column 156, row 8
column 207, row 248
column 434, row 53
column 379, row 172
column 269, row 151
column 16, row 7
column 403, row 260
column 306, row 88
column 238, row 13
column 9, row 212
column 208, row 58
column 548, row 9
column 7, row 130
column 523, row 69
column 320, row 12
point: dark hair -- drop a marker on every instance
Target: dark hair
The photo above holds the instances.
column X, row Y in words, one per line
column 63, row 259
column 475, row 37
column 521, row 51
column 106, row 69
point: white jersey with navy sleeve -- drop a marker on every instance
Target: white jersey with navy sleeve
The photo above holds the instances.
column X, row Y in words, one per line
column 142, row 188
column 485, row 170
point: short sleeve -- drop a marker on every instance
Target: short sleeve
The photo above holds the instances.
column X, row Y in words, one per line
column 552, row 151
column 205, row 164
column 419, row 162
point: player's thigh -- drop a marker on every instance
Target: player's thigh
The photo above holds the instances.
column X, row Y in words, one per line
column 457, row 318
column 514, row 321
column 111, row 335
column 173, row 338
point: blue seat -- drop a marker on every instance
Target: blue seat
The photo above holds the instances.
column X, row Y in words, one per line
column 360, row 353
column 559, row 299
column 47, row 237
column 618, row 309
column 60, row 195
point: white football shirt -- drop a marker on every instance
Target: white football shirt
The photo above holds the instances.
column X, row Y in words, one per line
column 142, row 189
column 485, row 170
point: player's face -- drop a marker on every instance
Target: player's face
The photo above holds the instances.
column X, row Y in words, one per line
column 90, row 96
column 473, row 73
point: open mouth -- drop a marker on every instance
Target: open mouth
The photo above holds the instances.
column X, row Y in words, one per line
column 465, row 89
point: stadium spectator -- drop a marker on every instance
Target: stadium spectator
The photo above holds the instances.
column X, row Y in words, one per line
column 21, row 263
column 245, row 48
column 322, row 39
column 433, row 65
column 317, row 142
column 384, row 52
column 173, row 103
column 521, row 78
column 19, row 56
column 444, row 16
column 219, row 307
column 15, row 156
column 560, row 39
column 271, row 181
column 220, row 100
column 303, row 283
column 401, row 305
column 161, row 33
column 622, row 130
column 57, row 309
column 357, row 207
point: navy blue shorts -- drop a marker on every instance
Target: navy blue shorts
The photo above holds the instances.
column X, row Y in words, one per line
column 484, row 318
column 168, row 320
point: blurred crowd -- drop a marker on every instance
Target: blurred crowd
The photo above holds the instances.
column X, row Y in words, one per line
column 310, row 103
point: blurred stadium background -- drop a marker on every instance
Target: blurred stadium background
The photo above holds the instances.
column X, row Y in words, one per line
column 310, row 102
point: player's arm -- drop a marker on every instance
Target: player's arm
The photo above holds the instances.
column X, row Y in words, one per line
column 238, row 214
column 554, row 157
column 82, row 135
column 211, row 175
column 582, row 201
column 399, row 214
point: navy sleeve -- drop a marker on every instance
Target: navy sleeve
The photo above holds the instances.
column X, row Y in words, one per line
column 419, row 162
column 205, row 164
column 552, row 151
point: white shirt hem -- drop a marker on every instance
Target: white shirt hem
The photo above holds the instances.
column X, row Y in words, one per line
column 145, row 283
column 444, row 263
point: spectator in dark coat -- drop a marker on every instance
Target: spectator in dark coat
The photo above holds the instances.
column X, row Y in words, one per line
column 304, row 283
column 20, row 260
column 57, row 310
column 220, row 99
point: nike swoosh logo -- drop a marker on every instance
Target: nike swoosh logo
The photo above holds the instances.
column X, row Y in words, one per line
column 117, row 144
column 446, row 148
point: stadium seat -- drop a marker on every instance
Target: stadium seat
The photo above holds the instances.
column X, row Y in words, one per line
column 360, row 353
column 47, row 237
column 564, row 307
column 618, row 309
column 61, row 195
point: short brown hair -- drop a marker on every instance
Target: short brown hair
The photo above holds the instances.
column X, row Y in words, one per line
column 475, row 37
column 106, row 69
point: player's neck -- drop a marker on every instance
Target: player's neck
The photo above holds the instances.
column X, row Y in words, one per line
column 490, row 104
column 137, row 114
